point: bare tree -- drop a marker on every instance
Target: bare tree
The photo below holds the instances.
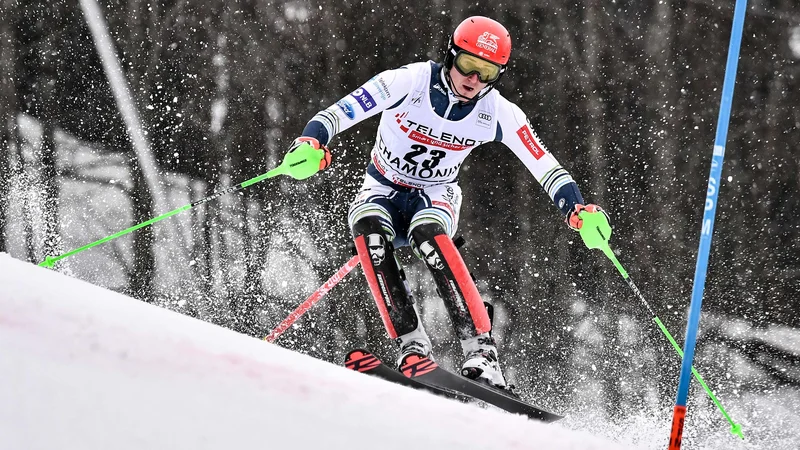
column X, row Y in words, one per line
column 50, row 191
column 8, row 108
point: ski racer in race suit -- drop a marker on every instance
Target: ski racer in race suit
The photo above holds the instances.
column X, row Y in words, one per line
column 433, row 116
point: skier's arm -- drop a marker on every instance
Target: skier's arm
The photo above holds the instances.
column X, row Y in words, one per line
column 515, row 132
column 381, row 92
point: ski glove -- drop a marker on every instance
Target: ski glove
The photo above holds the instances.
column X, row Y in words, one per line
column 575, row 222
column 310, row 165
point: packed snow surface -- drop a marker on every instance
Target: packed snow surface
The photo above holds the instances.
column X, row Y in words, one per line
column 82, row 367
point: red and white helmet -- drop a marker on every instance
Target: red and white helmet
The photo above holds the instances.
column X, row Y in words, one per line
column 483, row 38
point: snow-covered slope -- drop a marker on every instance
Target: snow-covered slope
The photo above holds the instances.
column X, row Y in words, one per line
column 84, row 368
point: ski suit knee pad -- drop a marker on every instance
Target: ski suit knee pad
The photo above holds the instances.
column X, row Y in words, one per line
column 385, row 277
column 453, row 280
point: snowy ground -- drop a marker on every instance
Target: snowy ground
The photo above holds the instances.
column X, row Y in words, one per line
column 82, row 367
column 85, row 368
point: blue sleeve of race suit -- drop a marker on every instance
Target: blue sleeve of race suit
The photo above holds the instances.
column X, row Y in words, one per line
column 567, row 196
column 316, row 130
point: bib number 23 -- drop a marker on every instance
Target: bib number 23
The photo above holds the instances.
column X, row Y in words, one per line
column 432, row 159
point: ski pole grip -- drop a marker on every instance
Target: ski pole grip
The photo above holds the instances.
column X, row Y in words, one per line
column 303, row 162
column 595, row 231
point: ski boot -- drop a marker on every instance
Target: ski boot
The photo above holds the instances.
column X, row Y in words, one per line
column 414, row 343
column 481, row 362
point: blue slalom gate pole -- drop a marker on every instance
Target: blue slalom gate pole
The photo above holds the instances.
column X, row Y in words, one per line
column 679, row 413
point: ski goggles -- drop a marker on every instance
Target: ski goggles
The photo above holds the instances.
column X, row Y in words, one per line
column 467, row 64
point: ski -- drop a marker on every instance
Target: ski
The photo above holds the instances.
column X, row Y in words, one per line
column 414, row 366
column 365, row 362
column 423, row 373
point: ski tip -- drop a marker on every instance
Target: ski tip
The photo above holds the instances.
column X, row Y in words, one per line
column 361, row 360
column 414, row 365
column 357, row 352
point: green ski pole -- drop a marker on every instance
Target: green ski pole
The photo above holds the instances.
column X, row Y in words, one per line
column 596, row 233
column 299, row 164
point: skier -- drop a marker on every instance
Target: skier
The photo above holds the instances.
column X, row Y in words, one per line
column 433, row 115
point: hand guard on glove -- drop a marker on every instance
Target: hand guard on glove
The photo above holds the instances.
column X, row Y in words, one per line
column 305, row 158
column 326, row 158
column 573, row 218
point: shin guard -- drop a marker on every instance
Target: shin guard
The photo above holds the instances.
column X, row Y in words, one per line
column 453, row 280
column 385, row 278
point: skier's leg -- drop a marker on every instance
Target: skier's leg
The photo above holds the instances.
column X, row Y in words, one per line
column 453, row 281
column 373, row 235
column 430, row 237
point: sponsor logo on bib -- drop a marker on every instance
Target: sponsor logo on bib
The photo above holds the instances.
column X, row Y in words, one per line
column 426, row 135
column 484, row 119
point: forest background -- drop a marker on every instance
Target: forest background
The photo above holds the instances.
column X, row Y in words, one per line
column 625, row 94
